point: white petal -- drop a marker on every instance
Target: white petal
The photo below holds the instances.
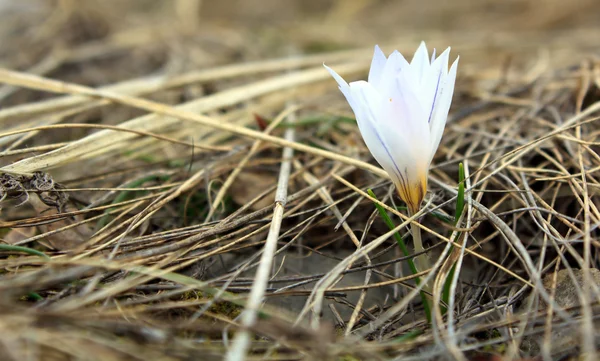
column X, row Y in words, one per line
column 396, row 61
column 443, row 58
column 394, row 65
column 377, row 65
column 410, row 117
column 341, row 82
column 421, row 54
column 407, row 140
column 402, row 127
column 434, row 83
column 442, row 107
column 368, row 110
column 420, row 62
column 344, row 87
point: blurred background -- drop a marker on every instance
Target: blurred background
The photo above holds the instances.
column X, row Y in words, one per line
column 153, row 35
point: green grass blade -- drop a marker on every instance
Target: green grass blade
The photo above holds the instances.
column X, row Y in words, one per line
column 411, row 335
column 125, row 195
column 35, row 296
column 460, row 198
column 33, row 252
column 460, row 206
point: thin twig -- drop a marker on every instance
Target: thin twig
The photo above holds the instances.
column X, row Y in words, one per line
column 239, row 348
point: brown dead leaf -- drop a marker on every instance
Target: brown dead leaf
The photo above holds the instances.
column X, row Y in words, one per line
column 17, row 235
column 66, row 239
column 250, row 184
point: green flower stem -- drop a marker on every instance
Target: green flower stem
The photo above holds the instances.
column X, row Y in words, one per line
column 422, row 261
column 411, row 264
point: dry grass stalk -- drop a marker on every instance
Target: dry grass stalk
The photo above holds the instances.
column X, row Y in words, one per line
column 157, row 123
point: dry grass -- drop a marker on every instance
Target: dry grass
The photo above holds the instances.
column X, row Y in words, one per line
column 146, row 199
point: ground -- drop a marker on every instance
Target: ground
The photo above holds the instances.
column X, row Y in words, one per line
column 165, row 165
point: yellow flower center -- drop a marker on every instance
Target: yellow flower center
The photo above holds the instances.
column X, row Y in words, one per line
column 413, row 193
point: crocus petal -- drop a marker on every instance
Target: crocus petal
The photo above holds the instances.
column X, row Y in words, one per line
column 343, row 86
column 442, row 107
column 411, row 156
column 341, row 82
column 421, row 55
column 377, row 65
column 367, row 106
column 393, row 66
column 420, row 62
column 411, row 114
column 410, row 120
column 434, row 85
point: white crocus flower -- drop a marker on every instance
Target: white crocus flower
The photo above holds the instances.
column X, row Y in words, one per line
column 401, row 113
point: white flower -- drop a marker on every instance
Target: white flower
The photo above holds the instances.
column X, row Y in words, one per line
column 401, row 113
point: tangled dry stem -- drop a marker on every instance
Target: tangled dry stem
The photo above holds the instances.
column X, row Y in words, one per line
column 155, row 195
